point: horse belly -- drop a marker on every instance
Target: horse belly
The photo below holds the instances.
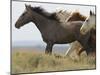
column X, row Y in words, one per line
column 62, row 35
column 63, row 39
column 64, row 42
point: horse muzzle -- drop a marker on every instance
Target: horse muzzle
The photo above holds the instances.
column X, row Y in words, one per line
column 17, row 26
column 83, row 32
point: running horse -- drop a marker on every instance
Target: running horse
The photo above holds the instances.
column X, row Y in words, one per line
column 52, row 31
column 75, row 49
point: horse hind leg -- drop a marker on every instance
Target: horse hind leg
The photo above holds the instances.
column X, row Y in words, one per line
column 48, row 49
column 80, row 51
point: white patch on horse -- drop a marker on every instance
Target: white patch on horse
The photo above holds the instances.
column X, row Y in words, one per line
column 90, row 23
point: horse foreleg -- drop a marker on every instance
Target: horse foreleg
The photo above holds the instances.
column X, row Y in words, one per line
column 48, row 49
column 73, row 51
column 83, row 39
column 89, row 51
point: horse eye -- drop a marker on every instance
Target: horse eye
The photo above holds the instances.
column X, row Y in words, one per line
column 23, row 14
column 87, row 20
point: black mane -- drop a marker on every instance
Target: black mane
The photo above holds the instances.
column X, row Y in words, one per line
column 41, row 11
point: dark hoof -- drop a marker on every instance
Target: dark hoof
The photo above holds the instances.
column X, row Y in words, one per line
column 48, row 53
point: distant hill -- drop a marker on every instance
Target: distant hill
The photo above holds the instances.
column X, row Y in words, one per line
column 39, row 46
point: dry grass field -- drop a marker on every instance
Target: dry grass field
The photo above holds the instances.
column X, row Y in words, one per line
column 24, row 61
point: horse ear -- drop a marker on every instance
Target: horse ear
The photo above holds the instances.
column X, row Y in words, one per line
column 27, row 7
column 90, row 12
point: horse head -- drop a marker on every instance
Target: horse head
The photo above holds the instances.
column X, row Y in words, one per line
column 90, row 23
column 24, row 18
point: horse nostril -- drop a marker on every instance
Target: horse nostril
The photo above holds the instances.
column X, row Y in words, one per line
column 82, row 31
column 15, row 25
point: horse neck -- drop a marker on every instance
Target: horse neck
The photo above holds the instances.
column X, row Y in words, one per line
column 39, row 20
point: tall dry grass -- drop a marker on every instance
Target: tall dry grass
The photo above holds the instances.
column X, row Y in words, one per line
column 29, row 61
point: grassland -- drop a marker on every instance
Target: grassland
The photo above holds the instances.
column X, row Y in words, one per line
column 32, row 61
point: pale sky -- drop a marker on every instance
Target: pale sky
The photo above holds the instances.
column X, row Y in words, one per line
column 29, row 32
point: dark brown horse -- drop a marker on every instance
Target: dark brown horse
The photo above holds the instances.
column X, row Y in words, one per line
column 52, row 31
column 91, row 42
